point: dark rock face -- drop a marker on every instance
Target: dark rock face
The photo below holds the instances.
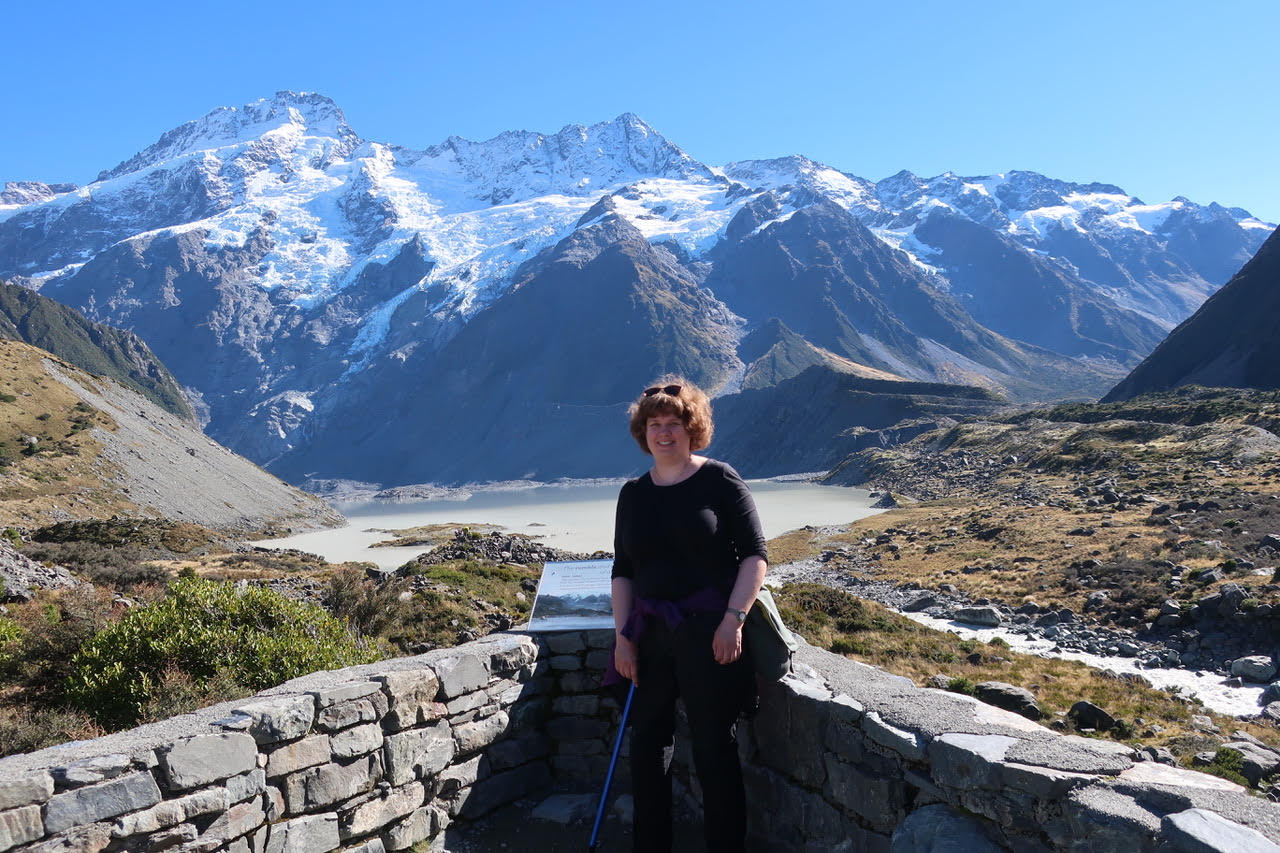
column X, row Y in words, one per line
column 1035, row 299
column 1232, row 341
column 51, row 236
column 1163, row 271
column 26, row 192
column 774, row 353
column 778, row 429
column 828, row 279
column 542, row 378
column 825, row 276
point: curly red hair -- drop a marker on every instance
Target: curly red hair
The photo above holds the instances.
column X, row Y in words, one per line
column 691, row 404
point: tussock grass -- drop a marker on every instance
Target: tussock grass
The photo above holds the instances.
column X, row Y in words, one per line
column 61, row 469
column 795, row 545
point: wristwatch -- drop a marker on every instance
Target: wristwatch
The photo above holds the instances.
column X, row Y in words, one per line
column 741, row 614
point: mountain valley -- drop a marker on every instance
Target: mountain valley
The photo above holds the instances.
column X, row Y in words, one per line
column 335, row 307
column 343, row 310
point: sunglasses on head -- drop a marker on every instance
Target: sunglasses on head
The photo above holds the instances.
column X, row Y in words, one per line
column 669, row 390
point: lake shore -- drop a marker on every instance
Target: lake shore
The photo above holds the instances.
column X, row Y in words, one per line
column 571, row 515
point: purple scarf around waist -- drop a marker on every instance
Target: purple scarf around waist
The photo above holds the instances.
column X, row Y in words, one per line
column 706, row 600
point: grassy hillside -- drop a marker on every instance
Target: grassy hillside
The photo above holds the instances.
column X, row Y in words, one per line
column 49, row 465
column 93, row 347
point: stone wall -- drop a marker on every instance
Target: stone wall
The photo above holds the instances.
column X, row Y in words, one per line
column 386, row 756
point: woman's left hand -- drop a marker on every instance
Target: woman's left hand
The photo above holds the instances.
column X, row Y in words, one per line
column 727, row 643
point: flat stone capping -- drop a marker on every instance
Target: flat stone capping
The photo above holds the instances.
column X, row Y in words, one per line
column 383, row 756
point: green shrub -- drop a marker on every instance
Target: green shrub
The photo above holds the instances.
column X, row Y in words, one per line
column 51, row 629
column 122, row 567
column 1228, row 764
column 254, row 638
column 10, row 642
column 1123, row 730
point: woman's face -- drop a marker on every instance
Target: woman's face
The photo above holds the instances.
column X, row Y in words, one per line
column 667, row 439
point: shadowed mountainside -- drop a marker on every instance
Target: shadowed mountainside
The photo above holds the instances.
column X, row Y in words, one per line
column 1232, row 341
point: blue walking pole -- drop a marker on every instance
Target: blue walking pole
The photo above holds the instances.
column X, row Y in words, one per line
column 613, row 763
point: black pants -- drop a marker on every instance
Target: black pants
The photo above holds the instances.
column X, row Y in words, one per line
column 681, row 663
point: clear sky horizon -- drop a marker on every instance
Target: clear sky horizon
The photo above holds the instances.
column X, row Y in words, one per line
column 1160, row 98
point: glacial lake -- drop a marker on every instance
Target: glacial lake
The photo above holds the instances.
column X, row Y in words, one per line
column 579, row 517
column 574, row 517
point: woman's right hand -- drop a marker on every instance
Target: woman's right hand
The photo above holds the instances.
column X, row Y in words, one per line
column 625, row 658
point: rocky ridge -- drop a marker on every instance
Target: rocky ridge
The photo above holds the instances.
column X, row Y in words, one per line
column 22, row 576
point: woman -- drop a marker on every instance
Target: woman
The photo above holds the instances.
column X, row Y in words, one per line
column 689, row 561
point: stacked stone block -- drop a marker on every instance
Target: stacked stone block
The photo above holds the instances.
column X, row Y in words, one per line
column 374, row 758
column 387, row 756
column 846, row 757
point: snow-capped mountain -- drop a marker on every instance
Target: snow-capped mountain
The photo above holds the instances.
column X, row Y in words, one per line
column 1161, row 260
column 298, row 279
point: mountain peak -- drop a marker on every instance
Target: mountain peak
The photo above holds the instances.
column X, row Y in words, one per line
column 577, row 160
column 311, row 112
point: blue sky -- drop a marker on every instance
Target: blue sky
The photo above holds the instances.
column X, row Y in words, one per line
column 1162, row 98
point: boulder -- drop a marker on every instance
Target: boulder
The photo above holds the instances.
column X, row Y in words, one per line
column 921, row 601
column 1011, row 698
column 1232, row 594
column 1089, row 716
column 986, row 616
column 1210, row 576
column 1255, row 668
column 1048, row 620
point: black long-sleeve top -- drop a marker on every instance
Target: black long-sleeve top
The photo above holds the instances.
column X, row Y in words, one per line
column 673, row 541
